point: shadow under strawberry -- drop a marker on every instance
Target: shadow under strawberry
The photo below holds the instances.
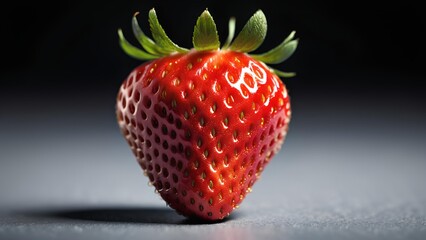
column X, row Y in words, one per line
column 117, row 214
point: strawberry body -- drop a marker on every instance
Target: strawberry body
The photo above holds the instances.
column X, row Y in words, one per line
column 204, row 122
column 202, row 126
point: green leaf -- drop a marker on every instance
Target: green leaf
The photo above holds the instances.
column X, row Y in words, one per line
column 147, row 43
column 132, row 50
column 252, row 35
column 283, row 74
column 280, row 53
column 205, row 33
column 231, row 32
column 160, row 36
column 289, row 37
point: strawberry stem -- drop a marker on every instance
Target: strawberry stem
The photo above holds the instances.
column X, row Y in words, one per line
column 205, row 38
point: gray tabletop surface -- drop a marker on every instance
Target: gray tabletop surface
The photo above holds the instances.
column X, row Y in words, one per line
column 348, row 170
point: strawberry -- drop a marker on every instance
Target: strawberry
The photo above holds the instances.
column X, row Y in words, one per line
column 203, row 123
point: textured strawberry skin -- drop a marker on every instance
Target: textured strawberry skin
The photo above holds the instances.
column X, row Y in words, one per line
column 203, row 126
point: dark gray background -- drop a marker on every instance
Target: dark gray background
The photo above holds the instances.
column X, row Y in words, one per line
column 353, row 165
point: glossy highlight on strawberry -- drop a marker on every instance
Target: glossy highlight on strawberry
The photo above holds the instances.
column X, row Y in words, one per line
column 203, row 123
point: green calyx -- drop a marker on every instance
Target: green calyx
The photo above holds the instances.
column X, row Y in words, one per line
column 206, row 38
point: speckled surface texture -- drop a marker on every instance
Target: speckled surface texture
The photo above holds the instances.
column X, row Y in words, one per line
column 341, row 175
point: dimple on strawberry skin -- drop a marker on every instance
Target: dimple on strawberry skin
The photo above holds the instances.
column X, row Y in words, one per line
column 204, row 122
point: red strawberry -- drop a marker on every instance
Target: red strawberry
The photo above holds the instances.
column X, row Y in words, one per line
column 203, row 123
